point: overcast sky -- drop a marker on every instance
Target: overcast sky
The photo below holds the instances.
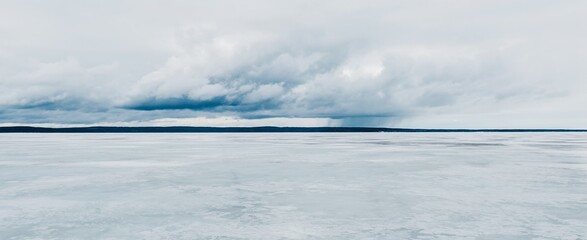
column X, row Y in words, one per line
column 394, row 63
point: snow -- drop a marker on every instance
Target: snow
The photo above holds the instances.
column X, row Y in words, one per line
column 294, row 186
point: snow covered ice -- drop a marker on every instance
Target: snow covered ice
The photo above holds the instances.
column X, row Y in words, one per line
column 294, row 186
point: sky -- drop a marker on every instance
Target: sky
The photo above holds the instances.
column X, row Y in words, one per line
column 392, row 63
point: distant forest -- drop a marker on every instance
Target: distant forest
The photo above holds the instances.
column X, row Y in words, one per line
column 26, row 129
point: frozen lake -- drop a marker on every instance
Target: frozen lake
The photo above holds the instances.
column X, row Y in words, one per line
column 294, row 186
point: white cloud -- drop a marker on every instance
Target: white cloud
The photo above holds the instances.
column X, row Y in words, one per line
column 393, row 63
column 227, row 121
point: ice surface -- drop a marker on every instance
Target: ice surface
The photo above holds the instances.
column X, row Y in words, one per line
column 294, row 186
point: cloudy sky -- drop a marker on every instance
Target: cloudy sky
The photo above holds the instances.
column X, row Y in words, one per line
column 394, row 63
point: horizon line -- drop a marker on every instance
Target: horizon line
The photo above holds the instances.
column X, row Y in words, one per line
column 257, row 129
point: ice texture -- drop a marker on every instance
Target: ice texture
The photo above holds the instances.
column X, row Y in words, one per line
column 294, row 186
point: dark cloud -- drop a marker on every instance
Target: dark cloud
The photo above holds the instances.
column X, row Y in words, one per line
column 216, row 104
column 182, row 103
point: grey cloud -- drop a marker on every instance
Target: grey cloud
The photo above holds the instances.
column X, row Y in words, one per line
column 357, row 62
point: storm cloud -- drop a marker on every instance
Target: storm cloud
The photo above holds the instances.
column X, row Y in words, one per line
column 361, row 63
